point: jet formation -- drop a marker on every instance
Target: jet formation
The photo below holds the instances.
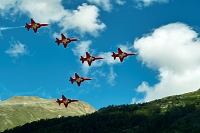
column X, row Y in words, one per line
column 65, row 41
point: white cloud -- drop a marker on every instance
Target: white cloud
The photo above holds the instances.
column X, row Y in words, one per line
column 6, row 6
column 120, row 2
column 84, row 19
column 99, row 73
column 125, row 47
column 108, row 59
column 145, row 3
column 173, row 50
column 106, row 4
column 42, row 10
column 111, row 77
column 95, row 74
column 81, row 48
column 16, row 50
column 135, row 101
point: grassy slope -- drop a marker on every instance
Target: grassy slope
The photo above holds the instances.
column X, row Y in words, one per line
column 15, row 112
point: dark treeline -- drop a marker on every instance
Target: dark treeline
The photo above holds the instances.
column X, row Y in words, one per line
column 136, row 118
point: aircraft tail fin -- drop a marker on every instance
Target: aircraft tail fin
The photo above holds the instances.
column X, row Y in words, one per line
column 114, row 55
column 71, row 79
column 58, row 101
column 58, row 41
column 82, row 59
column 27, row 26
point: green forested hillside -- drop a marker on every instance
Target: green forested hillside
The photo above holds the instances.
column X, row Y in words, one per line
column 175, row 114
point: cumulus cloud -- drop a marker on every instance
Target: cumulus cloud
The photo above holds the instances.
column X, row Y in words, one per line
column 84, row 19
column 145, row 3
column 17, row 50
column 6, row 6
column 172, row 50
column 106, row 4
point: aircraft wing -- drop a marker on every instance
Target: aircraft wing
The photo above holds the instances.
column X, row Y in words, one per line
column 89, row 62
column 66, row 104
column 35, row 30
column 121, row 59
column 78, row 83
column 32, row 21
column 63, row 37
column 63, row 97
column 58, row 101
column 76, row 76
column 87, row 55
column 120, row 51
column 72, row 100
column 65, row 45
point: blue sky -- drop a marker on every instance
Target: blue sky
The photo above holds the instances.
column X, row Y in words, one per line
column 164, row 33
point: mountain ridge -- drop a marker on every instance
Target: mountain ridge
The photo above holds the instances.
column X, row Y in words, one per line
column 19, row 110
column 22, row 98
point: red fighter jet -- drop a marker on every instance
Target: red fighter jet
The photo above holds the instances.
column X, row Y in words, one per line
column 121, row 54
column 78, row 79
column 65, row 101
column 89, row 58
column 65, row 40
column 34, row 25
